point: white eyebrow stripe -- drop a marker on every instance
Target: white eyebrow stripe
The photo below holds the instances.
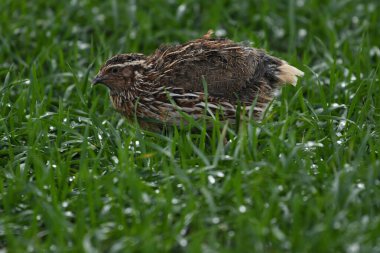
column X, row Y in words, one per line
column 132, row 63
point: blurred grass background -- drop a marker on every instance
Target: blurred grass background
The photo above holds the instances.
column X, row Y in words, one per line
column 75, row 176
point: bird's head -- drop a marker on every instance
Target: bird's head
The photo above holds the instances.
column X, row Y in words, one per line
column 119, row 72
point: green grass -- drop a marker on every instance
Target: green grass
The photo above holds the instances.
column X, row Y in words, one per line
column 76, row 177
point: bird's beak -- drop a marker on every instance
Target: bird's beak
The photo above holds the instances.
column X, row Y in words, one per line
column 97, row 79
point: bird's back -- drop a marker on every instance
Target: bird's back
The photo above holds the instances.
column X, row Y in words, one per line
column 229, row 69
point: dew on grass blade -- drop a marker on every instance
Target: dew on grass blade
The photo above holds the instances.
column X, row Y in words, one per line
column 181, row 10
column 302, row 33
column 215, row 220
column 220, row 32
column 82, row 45
column 353, row 247
column 310, row 145
column 226, row 158
column 219, row 174
column 211, row 179
column 128, row 210
column 146, row 198
column 175, row 201
column 242, row 209
column 279, row 32
column 374, row 51
column 182, row 242
column 360, row 186
column 300, row 3
column 69, row 214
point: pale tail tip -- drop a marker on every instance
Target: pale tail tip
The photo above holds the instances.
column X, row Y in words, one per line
column 289, row 74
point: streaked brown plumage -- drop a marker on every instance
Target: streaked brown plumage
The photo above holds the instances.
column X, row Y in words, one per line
column 157, row 87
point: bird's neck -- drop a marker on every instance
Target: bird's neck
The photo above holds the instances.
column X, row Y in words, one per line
column 123, row 101
column 126, row 98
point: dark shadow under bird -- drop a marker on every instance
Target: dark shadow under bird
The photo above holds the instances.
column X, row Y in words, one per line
column 201, row 78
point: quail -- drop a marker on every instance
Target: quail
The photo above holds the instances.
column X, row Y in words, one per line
column 201, row 78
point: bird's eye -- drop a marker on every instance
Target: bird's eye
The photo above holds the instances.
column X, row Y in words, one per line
column 114, row 70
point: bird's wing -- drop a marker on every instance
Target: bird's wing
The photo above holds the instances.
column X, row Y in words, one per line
column 226, row 67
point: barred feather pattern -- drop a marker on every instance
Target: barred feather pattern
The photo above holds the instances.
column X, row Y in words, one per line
column 166, row 104
column 202, row 78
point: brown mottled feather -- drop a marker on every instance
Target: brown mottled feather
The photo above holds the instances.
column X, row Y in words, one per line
column 229, row 69
column 235, row 75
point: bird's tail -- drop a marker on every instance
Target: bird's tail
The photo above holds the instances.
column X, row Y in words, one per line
column 288, row 74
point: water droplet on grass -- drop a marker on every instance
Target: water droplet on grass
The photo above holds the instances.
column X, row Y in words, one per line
column 365, row 220
column 279, row 32
column 183, row 242
column 353, row 247
column 311, row 145
column 215, row 220
column 355, row 20
column 220, row 32
column 69, row 214
column 115, row 159
column 106, row 209
column 278, row 233
column 146, row 198
column 181, row 10
column 133, row 34
column 336, row 105
column 226, row 158
column 211, row 179
column 82, row 45
column 343, row 84
column 374, row 51
column 30, row 248
column 219, row 174
column 242, row 209
column 300, row 3
column 100, row 18
column 22, row 168
column 302, row 33
column 52, row 248
column 360, row 186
